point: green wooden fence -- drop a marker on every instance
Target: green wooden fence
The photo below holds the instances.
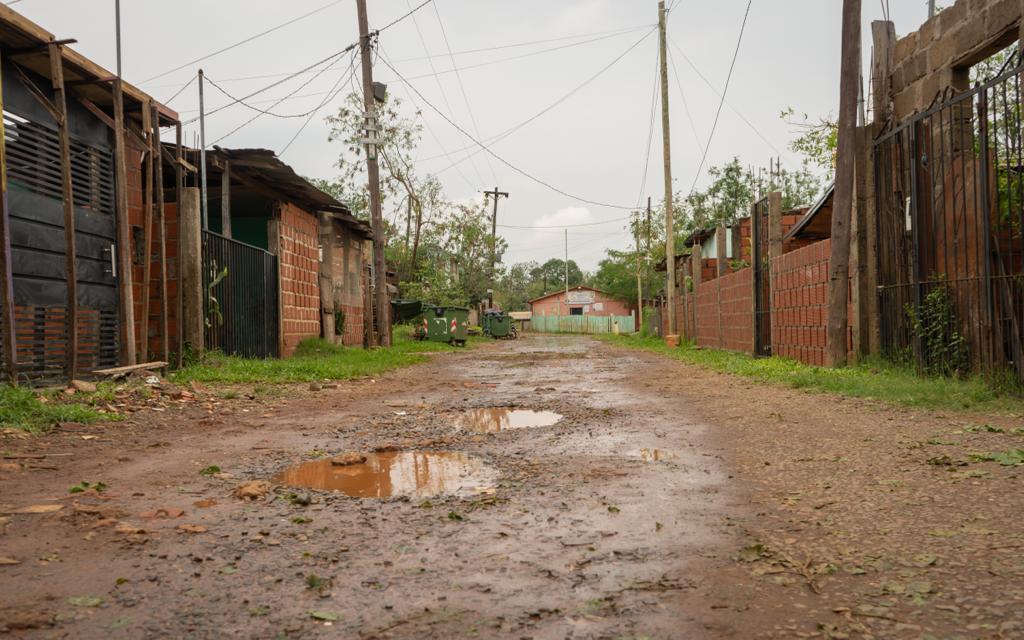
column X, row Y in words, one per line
column 580, row 324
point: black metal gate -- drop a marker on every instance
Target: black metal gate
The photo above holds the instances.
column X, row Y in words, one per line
column 240, row 302
column 950, row 193
column 760, row 257
column 38, row 249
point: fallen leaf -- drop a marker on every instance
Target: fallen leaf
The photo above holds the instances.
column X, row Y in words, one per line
column 163, row 512
column 252, row 490
column 323, row 615
column 39, row 508
column 4, row 560
column 85, row 601
column 204, row 504
column 192, row 528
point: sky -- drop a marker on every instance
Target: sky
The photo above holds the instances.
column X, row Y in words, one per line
column 579, row 73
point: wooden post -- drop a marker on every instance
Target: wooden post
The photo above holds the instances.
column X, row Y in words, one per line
column 225, row 200
column 8, row 341
column 68, row 197
column 721, row 251
column 884, row 38
column 124, row 239
column 147, row 229
column 157, row 151
column 858, row 246
column 845, row 174
column 190, row 269
column 774, row 226
column 670, row 239
column 274, row 246
column 179, row 186
column 756, row 268
column 327, row 276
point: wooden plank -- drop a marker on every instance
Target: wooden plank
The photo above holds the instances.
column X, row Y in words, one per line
column 179, row 184
column 124, row 250
column 147, row 231
column 39, row 96
column 96, row 111
column 114, row 371
column 9, row 341
column 161, row 235
column 68, row 197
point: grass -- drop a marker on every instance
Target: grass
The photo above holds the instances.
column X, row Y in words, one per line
column 29, row 410
column 314, row 361
column 875, row 381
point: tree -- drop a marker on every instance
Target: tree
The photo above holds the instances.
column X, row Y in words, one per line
column 552, row 275
column 818, row 140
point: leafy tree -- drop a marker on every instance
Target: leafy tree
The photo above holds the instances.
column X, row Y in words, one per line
column 817, row 141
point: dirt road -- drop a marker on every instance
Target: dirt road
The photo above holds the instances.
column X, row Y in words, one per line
column 666, row 502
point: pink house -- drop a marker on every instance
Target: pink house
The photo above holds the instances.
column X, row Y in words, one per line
column 579, row 301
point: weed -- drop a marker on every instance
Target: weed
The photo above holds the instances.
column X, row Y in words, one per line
column 211, row 470
column 22, row 408
column 876, row 380
column 84, row 486
column 1011, row 458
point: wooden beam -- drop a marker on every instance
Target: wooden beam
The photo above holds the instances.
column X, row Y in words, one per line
column 68, row 196
column 39, row 96
column 8, row 340
column 124, row 249
column 116, row 371
column 147, row 232
column 96, row 111
column 225, row 200
column 39, row 48
column 161, row 235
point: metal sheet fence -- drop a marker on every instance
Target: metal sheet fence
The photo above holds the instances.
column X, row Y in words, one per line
column 581, row 324
column 950, row 193
column 240, row 304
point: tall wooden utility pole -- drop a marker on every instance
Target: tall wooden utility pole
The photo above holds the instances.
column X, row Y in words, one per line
column 494, row 240
column 838, row 290
column 670, row 247
column 639, row 270
column 380, row 282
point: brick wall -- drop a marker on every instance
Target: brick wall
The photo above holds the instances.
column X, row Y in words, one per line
column 298, row 254
column 939, row 54
column 732, row 297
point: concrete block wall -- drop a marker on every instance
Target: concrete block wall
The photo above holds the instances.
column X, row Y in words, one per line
column 299, row 263
column 940, row 53
column 800, row 303
column 731, row 296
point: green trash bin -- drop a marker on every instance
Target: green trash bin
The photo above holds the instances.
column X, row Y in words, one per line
column 435, row 324
column 458, row 324
column 501, row 325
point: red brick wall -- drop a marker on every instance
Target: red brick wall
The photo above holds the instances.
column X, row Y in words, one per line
column 299, row 257
column 733, row 295
column 800, row 304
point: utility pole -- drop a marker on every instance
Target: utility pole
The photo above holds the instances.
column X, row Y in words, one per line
column 380, row 285
column 566, row 266
column 202, row 155
column 639, row 281
column 494, row 240
column 670, row 246
column 117, row 28
column 931, row 9
column 838, row 289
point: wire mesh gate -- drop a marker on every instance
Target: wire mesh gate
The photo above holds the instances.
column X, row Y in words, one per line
column 761, row 261
column 240, row 304
column 950, row 195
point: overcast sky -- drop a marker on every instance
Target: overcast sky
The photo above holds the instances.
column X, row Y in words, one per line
column 592, row 145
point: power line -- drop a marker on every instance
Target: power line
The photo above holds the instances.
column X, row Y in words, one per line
column 403, row 17
column 462, row 88
column 507, row 132
column 756, row 131
column 682, row 94
column 725, row 90
column 440, row 87
column 336, row 89
column 495, row 155
column 570, row 226
column 181, row 90
column 244, row 41
column 650, row 136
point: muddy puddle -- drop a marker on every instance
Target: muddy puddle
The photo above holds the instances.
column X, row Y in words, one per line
column 653, row 455
column 497, row 419
column 416, row 474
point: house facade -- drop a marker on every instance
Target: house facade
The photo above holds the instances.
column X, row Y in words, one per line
column 579, row 301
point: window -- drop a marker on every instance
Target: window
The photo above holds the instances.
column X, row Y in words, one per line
column 576, row 311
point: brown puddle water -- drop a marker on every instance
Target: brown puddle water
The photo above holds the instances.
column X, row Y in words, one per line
column 653, row 455
column 500, row 419
column 395, row 473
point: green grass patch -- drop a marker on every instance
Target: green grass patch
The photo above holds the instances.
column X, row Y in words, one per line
column 314, row 360
column 876, row 381
column 24, row 408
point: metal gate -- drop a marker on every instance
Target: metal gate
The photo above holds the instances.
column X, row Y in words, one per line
column 950, row 193
column 760, row 258
column 240, row 304
column 37, row 247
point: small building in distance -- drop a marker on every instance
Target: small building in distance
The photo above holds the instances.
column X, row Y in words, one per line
column 579, row 301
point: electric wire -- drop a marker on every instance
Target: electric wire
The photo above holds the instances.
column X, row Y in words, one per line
column 507, row 132
column 650, row 135
column 721, row 103
column 462, row 87
column 336, row 89
column 494, row 155
column 682, row 95
column 181, row 90
column 403, row 17
column 440, row 87
column 243, row 41
column 704, row 78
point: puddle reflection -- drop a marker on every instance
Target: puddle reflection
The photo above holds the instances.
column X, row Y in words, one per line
column 394, row 473
column 498, row 419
